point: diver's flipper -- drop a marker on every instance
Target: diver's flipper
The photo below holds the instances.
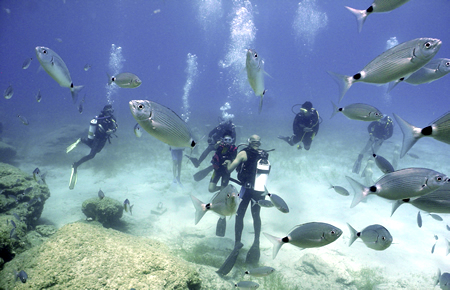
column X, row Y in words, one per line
column 221, row 227
column 357, row 165
column 253, row 254
column 231, row 260
column 73, row 178
column 71, row 147
column 203, row 173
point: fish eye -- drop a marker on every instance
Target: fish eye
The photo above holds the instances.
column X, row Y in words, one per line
column 44, row 51
column 333, row 232
column 427, row 45
column 140, row 107
column 383, row 238
column 256, row 55
column 447, row 63
column 438, row 178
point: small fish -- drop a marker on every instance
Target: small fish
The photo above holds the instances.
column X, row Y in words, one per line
column 59, row 39
column 57, row 69
column 439, row 130
column 395, row 63
column 80, row 107
column 23, row 120
column 308, row 235
column 127, row 206
column 448, row 228
column 412, row 155
column 246, row 285
column 375, row 237
column 22, row 275
column 125, row 80
column 358, row 111
column 87, row 67
column 27, row 190
column 37, row 174
column 436, row 217
column 377, row 6
column 137, row 130
column 13, row 223
column 436, row 237
column 400, row 184
column 255, row 74
column 382, row 163
column 101, row 195
column 12, row 234
column 419, row 219
column 38, row 96
column 9, row 92
column 27, row 63
column 340, row 190
column 432, row 248
column 162, row 123
column 262, row 203
column 260, row 272
column 277, row 201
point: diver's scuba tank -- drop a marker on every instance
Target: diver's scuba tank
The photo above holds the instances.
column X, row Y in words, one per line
column 262, row 173
column 92, row 128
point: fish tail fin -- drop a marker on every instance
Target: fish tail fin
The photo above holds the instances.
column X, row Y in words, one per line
column 109, row 79
column 392, row 85
column 261, row 102
column 353, row 235
column 253, row 202
column 277, row 243
column 199, row 210
column 335, row 110
column 410, row 134
column 438, row 277
column 360, row 191
column 360, row 15
column 344, row 82
column 395, row 205
column 74, row 90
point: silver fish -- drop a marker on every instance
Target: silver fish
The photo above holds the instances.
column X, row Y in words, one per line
column 443, row 280
column 436, row 217
column 340, row 190
column 27, row 63
column 162, row 123
column 448, row 228
column 419, row 219
column 309, row 235
column 23, row 120
column 432, row 248
column 22, row 275
column 224, row 203
column 382, row 163
column 9, row 92
column 57, row 69
column 375, row 237
column 87, row 67
column 255, row 74
column 395, row 63
column 358, row 111
column 377, row 6
column 439, row 130
column 127, row 206
column 400, row 184
column 137, row 130
column 246, row 285
column 125, row 80
column 260, row 272
column 434, row 70
column 277, row 201
column 101, row 195
column 262, row 203
column 38, row 96
column 412, row 155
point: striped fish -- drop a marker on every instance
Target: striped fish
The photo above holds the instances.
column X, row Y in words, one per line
column 162, row 123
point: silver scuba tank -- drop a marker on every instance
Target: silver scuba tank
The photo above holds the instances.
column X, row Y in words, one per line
column 92, row 128
column 262, row 174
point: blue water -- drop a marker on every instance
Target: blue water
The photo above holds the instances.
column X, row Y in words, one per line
column 190, row 56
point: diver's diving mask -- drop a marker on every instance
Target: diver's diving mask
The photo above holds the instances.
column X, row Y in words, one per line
column 227, row 140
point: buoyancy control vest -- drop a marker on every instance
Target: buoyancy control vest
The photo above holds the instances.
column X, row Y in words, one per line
column 254, row 172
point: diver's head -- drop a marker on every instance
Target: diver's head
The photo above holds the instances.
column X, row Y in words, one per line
column 254, row 141
column 306, row 107
column 108, row 110
column 226, row 137
column 385, row 120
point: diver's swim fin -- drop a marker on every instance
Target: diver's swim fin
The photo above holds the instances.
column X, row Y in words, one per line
column 221, row 227
column 71, row 147
column 231, row 260
column 253, row 254
column 203, row 173
column 73, row 178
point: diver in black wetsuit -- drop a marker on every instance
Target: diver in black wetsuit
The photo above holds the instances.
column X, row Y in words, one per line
column 379, row 131
column 305, row 126
column 100, row 131
column 248, row 161
column 213, row 137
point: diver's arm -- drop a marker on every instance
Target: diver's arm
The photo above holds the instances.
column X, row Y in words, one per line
column 241, row 157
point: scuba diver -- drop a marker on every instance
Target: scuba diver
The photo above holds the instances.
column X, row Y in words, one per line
column 379, row 131
column 100, row 130
column 177, row 159
column 225, row 150
column 253, row 169
column 305, row 126
column 213, row 137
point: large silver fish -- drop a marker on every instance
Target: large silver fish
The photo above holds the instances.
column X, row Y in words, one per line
column 435, row 69
column 162, row 123
column 395, row 63
column 439, row 130
column 375, row 237
column 376, row 7
column 358, row 111
column 309, row 235
column 255, row 74
column 125, row 80
column 224, row 203
column 57, row 69
column 400, row 184
column 443, row 280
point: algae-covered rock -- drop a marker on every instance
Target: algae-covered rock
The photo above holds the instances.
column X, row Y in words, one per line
column 7, row 152
column 86, row 256
column 106, row 211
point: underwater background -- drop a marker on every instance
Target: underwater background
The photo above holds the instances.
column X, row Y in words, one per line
column 190, row 56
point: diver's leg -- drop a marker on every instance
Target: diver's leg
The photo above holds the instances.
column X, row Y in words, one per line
column 307, row 140
column 377, row 144
column 74, row 174
column 205, row 153
column 254, row 253
column 357, row 165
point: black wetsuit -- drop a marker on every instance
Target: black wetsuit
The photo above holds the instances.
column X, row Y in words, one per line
column 380, row 130
column 301, row 122
column 223, row 152
column 104, row 123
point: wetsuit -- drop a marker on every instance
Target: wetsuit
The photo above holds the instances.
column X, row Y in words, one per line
column 223, row 152
column 301, row 122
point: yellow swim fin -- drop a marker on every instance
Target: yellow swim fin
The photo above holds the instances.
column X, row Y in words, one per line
column 71, row 147
column 73, row 178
